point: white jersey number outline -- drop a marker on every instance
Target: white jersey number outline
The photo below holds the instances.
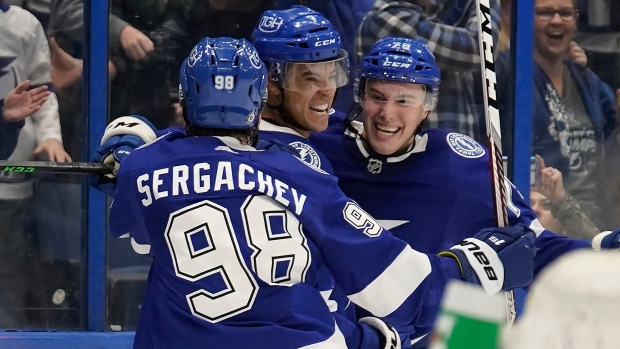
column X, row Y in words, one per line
column 221, row 254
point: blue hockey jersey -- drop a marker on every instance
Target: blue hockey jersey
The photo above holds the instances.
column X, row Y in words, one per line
column 239, row 237
column 357, row 335
column 433, row 196
column 269, row 131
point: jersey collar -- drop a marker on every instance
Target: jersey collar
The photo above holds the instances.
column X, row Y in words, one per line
column 234, row 143
column 420, row 143
column 265, row 125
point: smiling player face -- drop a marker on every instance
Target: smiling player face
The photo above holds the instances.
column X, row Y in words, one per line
column 392, row 111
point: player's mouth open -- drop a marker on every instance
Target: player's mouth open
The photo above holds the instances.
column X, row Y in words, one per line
column 319, row 108
column 386, row 131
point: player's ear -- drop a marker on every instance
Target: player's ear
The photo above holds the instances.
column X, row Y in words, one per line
column 426, row 114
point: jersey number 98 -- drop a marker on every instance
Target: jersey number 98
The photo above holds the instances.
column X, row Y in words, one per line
column 272, row 232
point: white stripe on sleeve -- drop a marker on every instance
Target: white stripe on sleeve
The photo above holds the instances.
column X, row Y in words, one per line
column 390, row 289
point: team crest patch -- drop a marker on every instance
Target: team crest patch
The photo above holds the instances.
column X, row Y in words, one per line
column 194, row 56
column 307, row 154
column 464, row 145
column 374, row 166
column 250, row 118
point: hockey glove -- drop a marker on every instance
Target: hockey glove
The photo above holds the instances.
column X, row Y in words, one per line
column 391, row 339
column 606, row 240
column 497, row 258
column 120, row 138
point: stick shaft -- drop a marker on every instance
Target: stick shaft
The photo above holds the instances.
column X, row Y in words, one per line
column 491, row 110
column 494, row 137
column 54, row 167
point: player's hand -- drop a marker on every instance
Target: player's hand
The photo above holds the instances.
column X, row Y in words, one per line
column 52, row 150
column 497, row 258
column 135, row 44
column 391, row 339
column 20, row 103
column 66, row 69
column 577, row 54
column 550, row 182
column 120, row 138
column 606, row 240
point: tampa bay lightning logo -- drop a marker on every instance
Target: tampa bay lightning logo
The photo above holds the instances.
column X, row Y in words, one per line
column 194, row 56
column 464, row 145
column 255, row 60
column 270, row 24
column 307, row 154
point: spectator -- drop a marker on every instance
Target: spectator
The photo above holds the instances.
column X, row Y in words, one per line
column 556, row 209
column 25, row 59
column 574, row 112
column 455, row 47
column 144, row 44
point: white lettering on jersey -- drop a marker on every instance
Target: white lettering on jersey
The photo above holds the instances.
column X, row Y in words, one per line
column 359, row 219
column 174, row 181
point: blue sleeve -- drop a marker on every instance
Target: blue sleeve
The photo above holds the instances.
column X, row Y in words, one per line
column 9, row 133
column 390, row 279
column 125, row 217
column 550, row 246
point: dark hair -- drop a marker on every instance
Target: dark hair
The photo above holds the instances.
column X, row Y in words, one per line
column 248, row 136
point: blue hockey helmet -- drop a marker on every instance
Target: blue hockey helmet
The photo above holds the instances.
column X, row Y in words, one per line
column 403, row 60
column 223, row 84
column 301, row 38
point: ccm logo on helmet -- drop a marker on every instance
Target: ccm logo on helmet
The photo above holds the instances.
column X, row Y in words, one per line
column 387, row 63
column 325, row 42
column 481, row 258
column 269, row 24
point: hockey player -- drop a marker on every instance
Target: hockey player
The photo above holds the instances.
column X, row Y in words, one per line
column 306, row 66
column 233, row 266
column 429, row 188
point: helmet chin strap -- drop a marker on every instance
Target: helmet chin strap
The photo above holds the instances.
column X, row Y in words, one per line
column 284, row 114
column 286, row 117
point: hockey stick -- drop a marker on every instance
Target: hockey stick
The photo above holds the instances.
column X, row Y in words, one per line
column 49, row 166
column 494, row 137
